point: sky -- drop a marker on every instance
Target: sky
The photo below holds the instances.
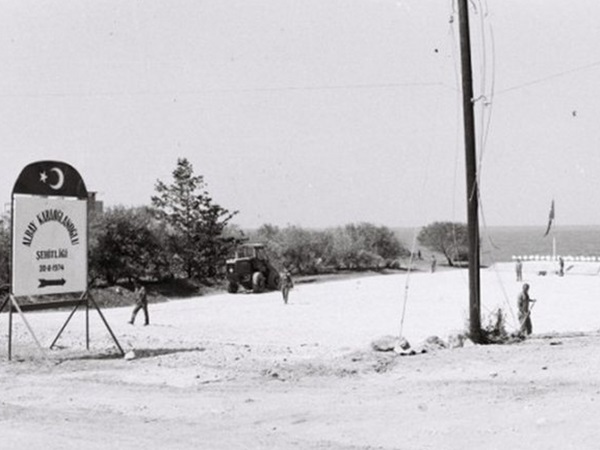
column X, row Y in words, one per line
column 315, row 113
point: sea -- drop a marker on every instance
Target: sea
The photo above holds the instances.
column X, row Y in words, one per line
column 501, row 244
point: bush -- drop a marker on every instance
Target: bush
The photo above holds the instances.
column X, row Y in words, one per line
column 127, row 244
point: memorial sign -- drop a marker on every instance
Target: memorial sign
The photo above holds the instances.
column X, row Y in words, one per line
column 49, row 236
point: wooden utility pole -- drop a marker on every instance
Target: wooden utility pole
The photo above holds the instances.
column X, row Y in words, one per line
column 471, row 171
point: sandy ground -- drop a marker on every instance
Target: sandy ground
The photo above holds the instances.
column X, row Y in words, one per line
column 246, row 371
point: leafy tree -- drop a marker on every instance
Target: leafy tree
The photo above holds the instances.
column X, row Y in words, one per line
column 364, row 245
column 127, row 243
column 272, row 237
column 303, row 250
column 196, row 224
column 447, row 238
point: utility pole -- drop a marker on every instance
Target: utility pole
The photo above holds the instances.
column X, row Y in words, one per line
column 471, row 172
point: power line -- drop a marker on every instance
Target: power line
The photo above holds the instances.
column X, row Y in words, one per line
column 232, row 90
column 549, row 77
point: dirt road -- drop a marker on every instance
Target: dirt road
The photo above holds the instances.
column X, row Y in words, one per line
column 198, row 383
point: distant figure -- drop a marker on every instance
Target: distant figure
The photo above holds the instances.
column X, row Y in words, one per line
column 286, row 284
column 433, row 263
column 525, row 311
column 519, row 269
column 419, row 256
column 561, row 266
column 141, row 302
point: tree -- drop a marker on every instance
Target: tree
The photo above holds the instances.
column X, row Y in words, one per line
column 196, row 225
column 447, row 238
column 302, row 250
column 360, row 246
column 365, row 246
column 127, row 243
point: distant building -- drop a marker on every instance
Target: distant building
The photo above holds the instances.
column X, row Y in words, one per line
column 95, row 207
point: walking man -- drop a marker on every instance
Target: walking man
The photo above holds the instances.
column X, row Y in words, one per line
column 141, row 302
column 286, row 284
column 525, row 311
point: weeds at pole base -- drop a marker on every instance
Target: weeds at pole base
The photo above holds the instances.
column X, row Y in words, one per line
column 494, row 331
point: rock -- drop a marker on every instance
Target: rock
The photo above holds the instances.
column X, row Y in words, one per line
column 389, row 343
column 456, row 340
column 129, row 355
column 407, row 352
column 403, row 344
column 434, row 343
column 468, row 342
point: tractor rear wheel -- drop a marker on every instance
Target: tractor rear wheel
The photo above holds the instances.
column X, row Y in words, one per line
column 258, row 282
column 274, row 280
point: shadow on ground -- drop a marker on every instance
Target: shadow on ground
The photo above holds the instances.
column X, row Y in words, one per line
column 138, row 353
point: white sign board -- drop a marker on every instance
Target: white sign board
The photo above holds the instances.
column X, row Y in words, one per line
column 49, row 245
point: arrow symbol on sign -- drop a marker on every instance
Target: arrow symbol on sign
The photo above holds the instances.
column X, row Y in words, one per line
column 44, row 283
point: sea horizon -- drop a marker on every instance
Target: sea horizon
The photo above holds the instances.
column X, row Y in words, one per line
column 502, row 243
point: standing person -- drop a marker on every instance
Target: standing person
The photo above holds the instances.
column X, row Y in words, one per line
column 433, row 263
column 519, row 269
column 525, row 311
column 141, row 302
column 286, row 284
column 561, row 266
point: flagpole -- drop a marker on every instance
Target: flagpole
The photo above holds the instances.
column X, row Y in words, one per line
column 553, row 232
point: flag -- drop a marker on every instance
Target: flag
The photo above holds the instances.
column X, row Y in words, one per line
column 550, row 218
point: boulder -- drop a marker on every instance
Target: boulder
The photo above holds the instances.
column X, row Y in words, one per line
column 433, row 343
column 389, row 344
column 456, row 340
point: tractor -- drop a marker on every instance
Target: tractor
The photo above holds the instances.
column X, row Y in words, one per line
column 251, row 269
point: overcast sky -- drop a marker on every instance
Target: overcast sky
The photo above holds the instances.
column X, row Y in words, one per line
column 309, row 112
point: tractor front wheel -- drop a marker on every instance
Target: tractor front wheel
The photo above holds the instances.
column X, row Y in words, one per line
column 232, row 287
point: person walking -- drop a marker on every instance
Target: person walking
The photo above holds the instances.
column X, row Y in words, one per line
column 524, row 302
column 519, row 269
column 286, row 285
column 141, row 302
column 433, row 263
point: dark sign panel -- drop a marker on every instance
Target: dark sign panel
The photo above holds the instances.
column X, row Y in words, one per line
column 50, row 178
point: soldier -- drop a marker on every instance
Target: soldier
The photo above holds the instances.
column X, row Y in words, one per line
column 525, row 311
column 286, row 284
column 141, row 302
column 519, row 269
column 561, row 266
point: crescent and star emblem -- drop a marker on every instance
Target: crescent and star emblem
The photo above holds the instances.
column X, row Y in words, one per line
column 59, row 183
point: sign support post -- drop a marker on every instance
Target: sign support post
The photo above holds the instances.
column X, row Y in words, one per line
column 85, row 299
column 13, row 303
